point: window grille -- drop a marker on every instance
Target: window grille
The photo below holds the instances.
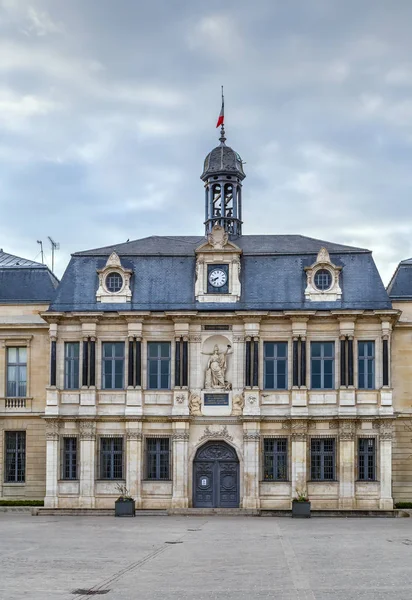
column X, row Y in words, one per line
column 322, row 365
column 15, row 467
column 16, row 372
column 367, row 459
column 111, row 458
column 276, row 365
column 366, row 365
column 69, row 458
column 71, row 365
column 158, row 365
column 158, row 458
column 114, row 282
column 113, row 365
column 323, row 459
column 323, row 279
column 275, row 459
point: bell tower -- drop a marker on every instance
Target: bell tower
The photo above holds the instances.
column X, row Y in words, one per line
column 223, row 175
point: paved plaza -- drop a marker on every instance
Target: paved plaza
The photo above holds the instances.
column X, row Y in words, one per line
column 182, row 558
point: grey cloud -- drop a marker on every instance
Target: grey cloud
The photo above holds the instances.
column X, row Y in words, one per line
column 108, row 109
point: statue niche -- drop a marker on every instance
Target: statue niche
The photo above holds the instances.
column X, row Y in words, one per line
column 215, row 374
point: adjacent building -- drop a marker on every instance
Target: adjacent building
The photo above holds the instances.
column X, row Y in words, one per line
column 220, row 371
column 26, row 289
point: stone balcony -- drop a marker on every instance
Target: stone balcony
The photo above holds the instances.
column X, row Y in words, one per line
column 9, row 406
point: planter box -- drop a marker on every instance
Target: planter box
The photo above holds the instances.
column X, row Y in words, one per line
column 300, row 510
column 124, row 508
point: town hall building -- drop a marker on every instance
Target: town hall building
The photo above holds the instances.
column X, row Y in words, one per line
column 228, row 370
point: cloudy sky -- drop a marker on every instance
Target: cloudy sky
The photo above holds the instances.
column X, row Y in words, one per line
column 108, row 108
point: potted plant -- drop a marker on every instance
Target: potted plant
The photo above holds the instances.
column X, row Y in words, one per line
column 125, row 505
column 301, row 504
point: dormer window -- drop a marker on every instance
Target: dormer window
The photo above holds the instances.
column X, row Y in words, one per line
column 323, row 279
column 114, row 282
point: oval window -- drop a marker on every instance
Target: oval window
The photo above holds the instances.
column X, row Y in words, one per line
column 323, row 279
column 114, row 282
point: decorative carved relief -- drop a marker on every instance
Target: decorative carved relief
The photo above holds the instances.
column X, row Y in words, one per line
column 124, row 294
column 333, row 291
column 386, row 430
column 252, row 399
column 195, row 405
column 299, row 430
column 52, row 429
column 238, row 404
column 214, row 452
column 134, row 435
column 221, row 434
column 333, row 424
column 347, row 431
column 180, row 435
column 87, row 430
column 180, row 398
column 251, row 435
column 239, row 338
column 195, row 338
column 218, row 238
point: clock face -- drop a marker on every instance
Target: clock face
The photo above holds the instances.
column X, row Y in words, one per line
column 217, row 278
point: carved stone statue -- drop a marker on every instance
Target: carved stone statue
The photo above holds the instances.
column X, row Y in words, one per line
column 195, row 405
column 216, row 369
column 238, row 404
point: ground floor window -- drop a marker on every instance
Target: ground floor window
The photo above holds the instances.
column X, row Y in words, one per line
column 158, row 458
column 111, row 458
column 366, row 459
column 322, row 459
column 275, row 459
column 15, row 463
column 69, row 458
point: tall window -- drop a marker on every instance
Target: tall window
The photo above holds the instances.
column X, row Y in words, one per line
column 276, row 365
column 111, row 458
column 71, row 365
column 158, row 458
column 366, row 459
column 15, row 467
column 113, row 365
column 16, row 372
column 158, row 365
column 366, row 365
column 69, row 458
column 322, row 459
column 275, row 459
column 322, row 365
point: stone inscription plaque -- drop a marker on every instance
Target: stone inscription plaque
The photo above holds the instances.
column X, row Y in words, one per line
column 216, row 399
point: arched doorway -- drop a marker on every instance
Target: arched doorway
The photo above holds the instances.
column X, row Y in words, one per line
column 216, row 476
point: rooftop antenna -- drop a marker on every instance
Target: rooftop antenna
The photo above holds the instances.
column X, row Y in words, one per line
column 54, row 246
column 41, row 251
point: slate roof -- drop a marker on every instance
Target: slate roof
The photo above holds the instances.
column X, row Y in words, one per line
column 225, row 160
column 272, row 275
column 25, row 281
column 400, row 286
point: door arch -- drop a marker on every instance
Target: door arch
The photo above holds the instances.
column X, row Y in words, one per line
column 216, row 476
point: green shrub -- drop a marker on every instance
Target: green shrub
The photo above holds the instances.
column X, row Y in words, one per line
column 21, row 502
column 403, row 505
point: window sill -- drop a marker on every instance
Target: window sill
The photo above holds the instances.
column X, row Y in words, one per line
column 158, row 480
column 69, row 480
column 275, row 481
column 367, row 481
column 323, row 481
column 102, row 480
column 14, row 484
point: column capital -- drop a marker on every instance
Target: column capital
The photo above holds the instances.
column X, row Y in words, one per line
column 87, row 430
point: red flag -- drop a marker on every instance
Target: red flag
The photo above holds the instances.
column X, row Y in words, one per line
column 222, row 113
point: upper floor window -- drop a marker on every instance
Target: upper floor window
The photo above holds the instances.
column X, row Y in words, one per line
column 158, row 365
column 322, row 365
column 366, row 459
column 322, row 459
column 366, row 365
column 158, row 458
column 113, row 365
column 16, row 372
column 114, row 282
column 111, row 458
column 69, row 458
column 15, row 463
column 71, row 365
column 276, row 365
column 275, row 459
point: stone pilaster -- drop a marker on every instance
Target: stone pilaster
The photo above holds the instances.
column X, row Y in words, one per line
column 346, row 464
column 87, row 464
column 299, row 456
column 52, row 463
column 134, row 461
column 385, row 462
column 180, row 448
column 251, row 475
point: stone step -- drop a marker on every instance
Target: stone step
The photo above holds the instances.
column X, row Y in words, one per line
column 199, row 512
column 345, row 513
column 94, row 512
